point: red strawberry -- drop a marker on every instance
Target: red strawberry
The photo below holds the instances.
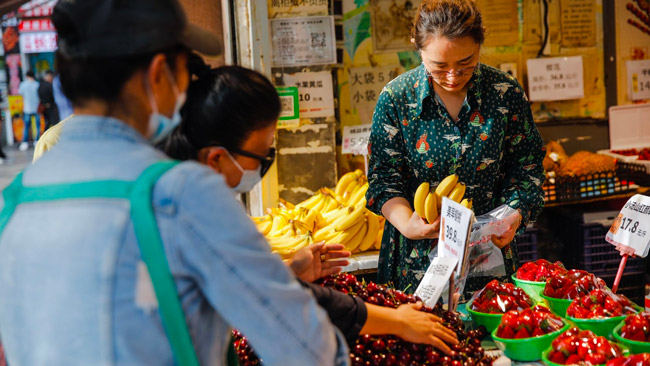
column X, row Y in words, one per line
column 538, row 332
column 638, row 336
column 522, row 333
column 573, row 360
column 557, row 357
column 595, row 359
column 506, row 332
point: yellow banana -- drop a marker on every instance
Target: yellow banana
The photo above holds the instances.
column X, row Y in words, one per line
column 358, row 237
column 445, row 187
column 343, row 237
column 309, row 202
column 356, row 196
column 344, row 182
column 380, row 235
column 331, row 204
column 372, row 221
column 320, row 203
column 457, row 193
column 279, row 223
column 431, row 207
column 353, row 217
column 325, row 234
column 264, row 227
column 258, row 219
column 285, row 243
column 467, row 203
column 420, row 195
column 285, row 204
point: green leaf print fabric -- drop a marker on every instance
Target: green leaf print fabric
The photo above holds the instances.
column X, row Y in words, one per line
column 494, row 147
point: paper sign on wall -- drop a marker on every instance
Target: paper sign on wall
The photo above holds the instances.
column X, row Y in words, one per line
column 355, row 139
column 366, row 84
column 630, row 231
column 293, row 8
column 315, row 93
column 303, row 41
column 638, row 79
column 556, row 78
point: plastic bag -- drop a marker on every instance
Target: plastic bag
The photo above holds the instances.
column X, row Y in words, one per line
column 498, row 298
column 485, row 259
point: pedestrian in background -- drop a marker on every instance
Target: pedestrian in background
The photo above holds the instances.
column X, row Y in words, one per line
column 62, row 103
column 46, row 95
column 29, row 91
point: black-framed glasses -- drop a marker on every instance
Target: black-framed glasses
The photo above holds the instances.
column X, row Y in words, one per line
column 443, row 74
column 265, row 161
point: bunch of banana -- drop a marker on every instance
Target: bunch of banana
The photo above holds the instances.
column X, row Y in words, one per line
column 351, row 187
column 286, row 247
column 427, row 202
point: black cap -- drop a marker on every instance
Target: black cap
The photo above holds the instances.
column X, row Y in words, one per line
column 118, row 28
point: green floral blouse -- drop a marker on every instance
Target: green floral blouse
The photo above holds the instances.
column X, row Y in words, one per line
column 494, row 148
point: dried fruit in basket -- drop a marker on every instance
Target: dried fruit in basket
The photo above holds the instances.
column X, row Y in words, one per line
column 585, row 162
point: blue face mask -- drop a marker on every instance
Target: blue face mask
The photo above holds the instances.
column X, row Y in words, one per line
column 160, row 126
column 249, row 178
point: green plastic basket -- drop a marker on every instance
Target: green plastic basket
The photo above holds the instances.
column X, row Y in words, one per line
column 634, row 346
column 626, row 351
column 558, row 306
column 602, row 327
column 489, row 321
column 534, row 289
column 527, row 349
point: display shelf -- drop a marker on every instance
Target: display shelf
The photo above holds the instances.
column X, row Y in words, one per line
column 627, row 194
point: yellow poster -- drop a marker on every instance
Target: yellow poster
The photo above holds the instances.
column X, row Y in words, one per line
column 578, row 22
column 501, row 20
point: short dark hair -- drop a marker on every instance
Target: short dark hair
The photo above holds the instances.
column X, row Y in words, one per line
column 449, row 18
column 224, row 106
column 29, row 73
column 104, row 78
column 48, row 72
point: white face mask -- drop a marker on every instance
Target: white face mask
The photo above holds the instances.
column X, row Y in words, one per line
column 160, row 126
column 249, row 178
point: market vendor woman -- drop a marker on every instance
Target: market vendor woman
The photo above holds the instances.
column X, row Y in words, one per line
column 451, row 114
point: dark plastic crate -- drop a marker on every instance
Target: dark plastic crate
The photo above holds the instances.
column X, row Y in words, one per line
column 527, row 246
column 633, row 173
column 582, row 187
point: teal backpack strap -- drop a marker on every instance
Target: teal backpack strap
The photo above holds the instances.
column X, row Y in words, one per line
column 10, row 196
column 153, row 255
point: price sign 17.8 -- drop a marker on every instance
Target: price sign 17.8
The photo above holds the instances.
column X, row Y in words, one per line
column 630, row 231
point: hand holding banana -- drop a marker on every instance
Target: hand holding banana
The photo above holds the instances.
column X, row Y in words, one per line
column 427, row 202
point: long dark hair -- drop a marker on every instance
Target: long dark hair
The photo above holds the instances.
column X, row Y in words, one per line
column 224, row 106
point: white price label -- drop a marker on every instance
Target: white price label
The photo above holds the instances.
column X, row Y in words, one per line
column 355, row 139
column 556, row 78
column 455, row 221
column 436, row 279
column 630, row 231
column 638, row 79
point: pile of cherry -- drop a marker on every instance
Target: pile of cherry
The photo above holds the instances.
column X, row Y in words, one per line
column 387, row 350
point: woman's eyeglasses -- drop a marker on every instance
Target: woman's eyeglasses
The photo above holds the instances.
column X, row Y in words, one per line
column 265, row 161
column 443, row 74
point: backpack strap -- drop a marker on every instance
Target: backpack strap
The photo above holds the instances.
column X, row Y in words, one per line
column 140, row 195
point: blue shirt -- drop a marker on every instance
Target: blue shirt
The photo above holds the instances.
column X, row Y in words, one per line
column 62, row 102
column 73, row 289
column 29, row 90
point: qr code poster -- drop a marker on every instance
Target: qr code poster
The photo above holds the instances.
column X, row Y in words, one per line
column 289, row 110
column 303, row 41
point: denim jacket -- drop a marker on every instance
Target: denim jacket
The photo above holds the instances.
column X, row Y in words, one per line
column 74, row 291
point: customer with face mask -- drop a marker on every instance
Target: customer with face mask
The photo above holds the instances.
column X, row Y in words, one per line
column 137, row 260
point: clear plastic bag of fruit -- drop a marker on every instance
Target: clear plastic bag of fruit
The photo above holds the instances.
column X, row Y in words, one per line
column 484, row 258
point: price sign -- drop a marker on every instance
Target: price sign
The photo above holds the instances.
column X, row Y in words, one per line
column 355, row 139
column 454, row 231
column 630, row 231
column 556, row 78
column 435, row 280
column 638, row 79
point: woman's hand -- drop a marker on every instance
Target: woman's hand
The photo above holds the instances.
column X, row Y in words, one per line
column 318, row 260
column 506, row 238
column 417, row 228
column 421, row 327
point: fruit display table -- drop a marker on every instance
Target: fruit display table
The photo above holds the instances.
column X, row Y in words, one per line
column 361, row 263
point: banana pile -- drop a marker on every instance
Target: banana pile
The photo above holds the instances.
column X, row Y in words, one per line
column 427, row 202
column 334, row 216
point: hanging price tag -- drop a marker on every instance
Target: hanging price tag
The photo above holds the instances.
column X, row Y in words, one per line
column 455, row 221
column 355, row 139
column 630, row 231
column 435, row 280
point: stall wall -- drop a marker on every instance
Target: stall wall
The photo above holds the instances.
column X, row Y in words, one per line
column 631, row 44
column 206, row 14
